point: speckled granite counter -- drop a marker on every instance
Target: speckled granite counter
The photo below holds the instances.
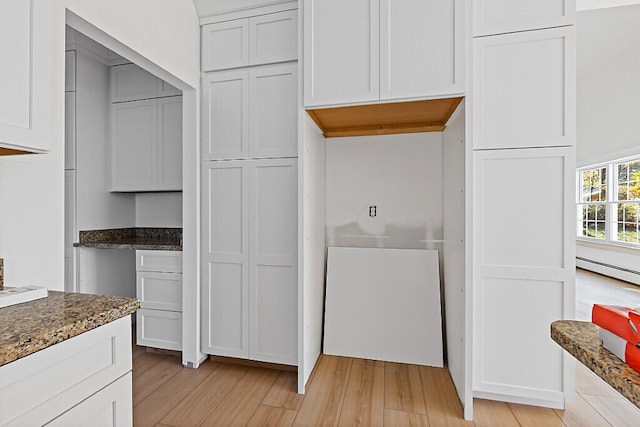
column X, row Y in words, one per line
column 32, row 326
column 159, row 239
column 581, row 340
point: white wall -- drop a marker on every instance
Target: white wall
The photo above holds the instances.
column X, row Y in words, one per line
column 159, row 209
column 166, row 32
column 401, row 175
column 608, row 55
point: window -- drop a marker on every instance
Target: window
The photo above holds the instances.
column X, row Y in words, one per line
column 609, row 202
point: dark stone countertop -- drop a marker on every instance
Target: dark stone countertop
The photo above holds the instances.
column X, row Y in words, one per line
column 159, row 239
column 581, row 340
column 35, row 325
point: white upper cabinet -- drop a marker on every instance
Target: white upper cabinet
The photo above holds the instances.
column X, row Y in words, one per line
column 250, row 113
column 130, row 83
column 504, row 16
column 524, row 86
column 421, row 48
column 341, row 51
column 250, row 41
column 364, row 51
column 26, row 81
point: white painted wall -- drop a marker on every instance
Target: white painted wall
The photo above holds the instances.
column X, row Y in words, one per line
column 401, row 175
column 166, row 33
column 159, row 209
column 607, row 120
column 608, row 55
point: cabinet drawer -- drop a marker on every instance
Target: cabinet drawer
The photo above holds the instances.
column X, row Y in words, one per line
column 162, row 261
column 160, row 329
column 58, row 377
column 111, row 406
column 160, row 291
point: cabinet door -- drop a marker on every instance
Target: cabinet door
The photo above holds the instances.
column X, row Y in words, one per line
column 273, row 38
column 505, row 16
column 524, row 268
column 524, row 89
column 421, row 48
column 165, row 89
column 169, row 143
column 273, row 254
column 111, row 406
column 70, row 71
column 26, row 81
column 70, row 233
column 225, row 266
column 133, row 145
column 341, row 51
column 130, row 82
column 159, row 329
column 70, row 130
column 273, row 111
column 225, row 45
column 225, row 111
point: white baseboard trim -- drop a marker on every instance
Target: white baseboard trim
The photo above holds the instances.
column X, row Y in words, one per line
column 554, row 404
column 609, row 270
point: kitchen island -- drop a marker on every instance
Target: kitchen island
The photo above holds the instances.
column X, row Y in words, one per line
column 581, row 340
column 66, row 359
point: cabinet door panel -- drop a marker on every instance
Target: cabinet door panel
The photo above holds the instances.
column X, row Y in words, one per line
column 273, row 37
column 134, row 148
column 523, row 91
column 273, row 261
column 159, row 329
column 273, row 111
column 503, row 16
column 225, row 249
column 225, row 45
column 170, row 143
column 26, row 82
column 159, row 291
column 70, row 130
column 130, row 82
column 342, row 51
column 226, row 105
column 70, row 71
column 421, row 43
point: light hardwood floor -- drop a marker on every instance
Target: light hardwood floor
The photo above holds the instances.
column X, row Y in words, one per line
column 351, row 392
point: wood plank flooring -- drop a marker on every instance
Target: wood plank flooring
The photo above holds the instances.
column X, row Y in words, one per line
column 349, row 392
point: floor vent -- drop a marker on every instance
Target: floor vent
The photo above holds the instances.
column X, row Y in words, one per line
column 615, row 267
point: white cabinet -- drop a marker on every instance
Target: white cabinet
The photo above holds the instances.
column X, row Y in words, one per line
column 370, row 50
column 250, row 41
column 79, row 375
column 159, row 289
column 251, row 113
column 506, row 16
column 146, row 145
column 525, row 87
column 129, row 83
column 250, row 255
column 26, row 82
column 524, row 240
column 69, row 130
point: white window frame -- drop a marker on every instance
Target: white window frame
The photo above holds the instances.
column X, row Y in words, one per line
column 611, row 214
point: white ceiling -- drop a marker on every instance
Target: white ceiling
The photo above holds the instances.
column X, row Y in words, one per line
column 601, row 4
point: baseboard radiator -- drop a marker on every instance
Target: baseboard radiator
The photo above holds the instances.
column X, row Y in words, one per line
column 622, row 273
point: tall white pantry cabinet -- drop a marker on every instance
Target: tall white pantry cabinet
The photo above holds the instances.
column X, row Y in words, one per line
column 250, row 188
column 522, row 126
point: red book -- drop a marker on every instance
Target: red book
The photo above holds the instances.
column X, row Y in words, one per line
column 626, row 351
column 617, row 319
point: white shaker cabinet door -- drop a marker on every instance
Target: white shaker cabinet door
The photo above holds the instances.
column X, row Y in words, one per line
column 225, row 112
column 505, row 16
column 273, row 255
column 134, row 148
column 341, row 51
column 273, row 103
column 225, row 270
column 524, row 89
column 273, row 37
column 421, row 48
column 26, row 81
column 225, row 45
column 170, row 143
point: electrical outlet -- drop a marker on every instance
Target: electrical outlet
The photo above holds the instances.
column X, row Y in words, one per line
column 372, row 211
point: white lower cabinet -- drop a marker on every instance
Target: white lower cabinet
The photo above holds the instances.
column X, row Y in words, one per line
column 249, row 298
column 84, row 377
column 159, row 289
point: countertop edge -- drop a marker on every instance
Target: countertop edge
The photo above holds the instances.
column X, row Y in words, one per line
column 97, row 245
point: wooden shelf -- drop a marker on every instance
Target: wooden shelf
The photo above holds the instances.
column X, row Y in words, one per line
column 385, row 119
column 9, row 151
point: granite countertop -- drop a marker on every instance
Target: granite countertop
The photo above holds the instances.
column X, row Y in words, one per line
column 159, row 239
column 581, row 340
column 31, row 326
